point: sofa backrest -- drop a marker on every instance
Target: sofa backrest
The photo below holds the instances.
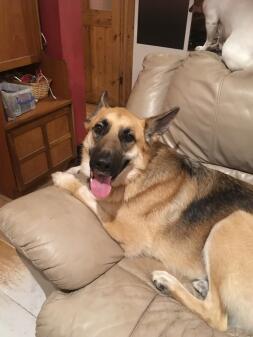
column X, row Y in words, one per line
column 215, row 122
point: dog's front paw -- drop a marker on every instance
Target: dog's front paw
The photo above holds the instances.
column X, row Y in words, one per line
column 163, row 281
column 74, row 170
column 65, row 180
column 199, row 48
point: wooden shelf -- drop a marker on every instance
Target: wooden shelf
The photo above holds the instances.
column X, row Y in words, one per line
column 43, row 107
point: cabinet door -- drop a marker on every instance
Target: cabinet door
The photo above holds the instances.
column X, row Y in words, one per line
column 29, row 154
column 19, row 33
column 60, row 138
column 41, row 147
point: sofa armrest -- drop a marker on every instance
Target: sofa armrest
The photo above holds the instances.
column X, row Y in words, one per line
column 60, row 236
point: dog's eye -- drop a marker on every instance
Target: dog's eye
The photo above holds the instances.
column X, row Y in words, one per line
column 98, row 128
column 127, row 136
column 101, row 128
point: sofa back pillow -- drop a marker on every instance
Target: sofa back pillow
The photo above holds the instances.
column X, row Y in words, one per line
column 153, row 82
column 60, row 236
column 215, row 122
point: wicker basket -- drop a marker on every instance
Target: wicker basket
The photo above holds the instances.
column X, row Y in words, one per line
column 40, row 88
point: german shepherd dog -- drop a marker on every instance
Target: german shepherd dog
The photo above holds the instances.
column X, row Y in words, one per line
column 153, row 201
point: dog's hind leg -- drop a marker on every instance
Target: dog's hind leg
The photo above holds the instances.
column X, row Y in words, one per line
column 227, row 253
column 210, row 309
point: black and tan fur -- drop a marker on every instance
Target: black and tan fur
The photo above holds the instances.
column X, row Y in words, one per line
column 196, row 221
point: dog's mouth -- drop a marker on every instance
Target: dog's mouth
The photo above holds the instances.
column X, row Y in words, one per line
column 100, row 185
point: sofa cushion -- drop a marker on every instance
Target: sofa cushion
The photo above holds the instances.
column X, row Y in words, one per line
column 215, row 121
column 150, row 90
column 60, row 236
column 123, row 303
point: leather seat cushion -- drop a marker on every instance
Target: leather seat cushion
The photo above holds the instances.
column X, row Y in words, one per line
column 123, row 303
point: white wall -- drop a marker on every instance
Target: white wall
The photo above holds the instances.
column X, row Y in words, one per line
column 140, row 50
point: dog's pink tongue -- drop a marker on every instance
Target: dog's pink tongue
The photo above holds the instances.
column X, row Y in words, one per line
column 100, row 187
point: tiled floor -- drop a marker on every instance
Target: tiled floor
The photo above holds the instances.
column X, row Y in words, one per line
column 20, row 295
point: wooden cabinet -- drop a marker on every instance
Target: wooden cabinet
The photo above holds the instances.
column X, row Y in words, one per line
column 42, row 140
column 42, row 145
column 19, row 33
column 39, row 141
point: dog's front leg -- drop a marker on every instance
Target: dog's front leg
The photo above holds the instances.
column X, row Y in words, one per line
column 70, row 183
column 74, row 170
column 211, row 32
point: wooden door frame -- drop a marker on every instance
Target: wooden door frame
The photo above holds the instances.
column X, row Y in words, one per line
column 122, row 45
column 127, row 8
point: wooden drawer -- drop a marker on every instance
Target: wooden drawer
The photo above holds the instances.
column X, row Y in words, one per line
column 29, row 142
column 58, row 128
column 59, row 138
column 60, row 152
column 34, row 167
column 41, row 147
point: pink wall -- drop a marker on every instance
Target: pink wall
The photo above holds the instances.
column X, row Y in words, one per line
column 61, row 23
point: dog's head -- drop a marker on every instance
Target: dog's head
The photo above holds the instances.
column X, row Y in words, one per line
column 117, row 145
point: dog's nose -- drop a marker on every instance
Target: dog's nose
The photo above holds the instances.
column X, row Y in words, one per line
column 103, row 164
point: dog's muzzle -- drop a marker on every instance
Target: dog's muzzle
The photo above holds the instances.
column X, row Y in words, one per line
column 105, row 165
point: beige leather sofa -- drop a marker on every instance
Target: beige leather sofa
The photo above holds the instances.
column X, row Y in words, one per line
column 98, row 292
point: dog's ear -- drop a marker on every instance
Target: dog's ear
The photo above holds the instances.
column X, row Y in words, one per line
column 103, row 103
column 157, row 125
